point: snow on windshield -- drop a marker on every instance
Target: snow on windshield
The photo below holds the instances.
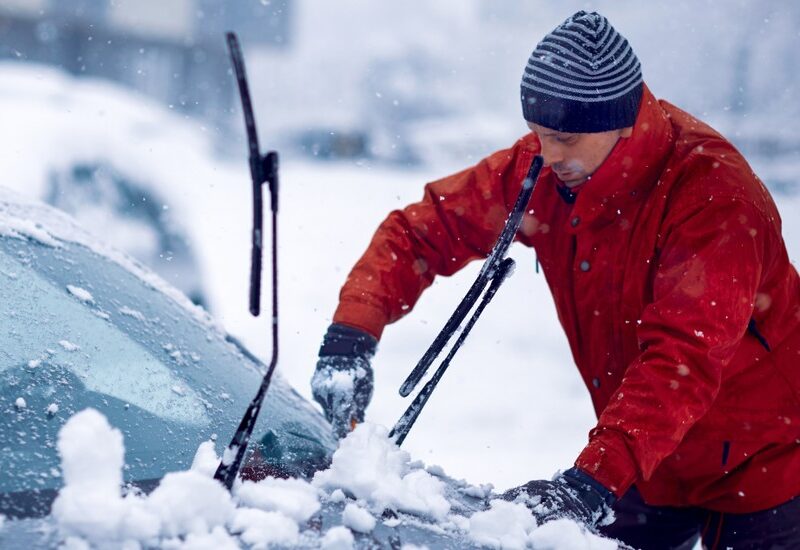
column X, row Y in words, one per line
column 190, row 509
column 131, row 373
column 21, row 218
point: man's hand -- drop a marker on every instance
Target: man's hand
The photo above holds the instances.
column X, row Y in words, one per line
column 573, row 494
column 342, row 382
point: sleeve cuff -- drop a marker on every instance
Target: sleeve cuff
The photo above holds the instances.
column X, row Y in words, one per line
column 610, row 463
column 361, row 316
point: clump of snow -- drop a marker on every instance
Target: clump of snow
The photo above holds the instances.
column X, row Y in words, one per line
column 478, row 491
column 189, row 502
column 205, row 459
column 68, row 346
column 259, row 528
column 563, row 534
column 33, row 363
column 229, row 454
column 358, row 519
column 20, row 403
column 81, row 293
column 504, row 525
column 340, row 381
column 338, row 538
column 217, row 539
column 132, row 313
column 511, row 525
column 90, row 505
column 369, row 466
column 52, row 409
column 295, row 498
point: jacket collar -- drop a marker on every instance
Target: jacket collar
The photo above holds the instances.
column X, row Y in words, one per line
column 629, row 172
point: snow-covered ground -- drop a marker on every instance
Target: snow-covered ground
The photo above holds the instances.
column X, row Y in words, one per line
column 511, row 408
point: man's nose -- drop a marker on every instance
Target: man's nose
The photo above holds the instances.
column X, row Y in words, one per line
column 551, row 152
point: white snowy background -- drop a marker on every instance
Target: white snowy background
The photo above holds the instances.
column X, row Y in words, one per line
column 512, row 407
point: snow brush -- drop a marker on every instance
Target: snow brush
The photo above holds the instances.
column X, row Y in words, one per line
column 495, row 270
column 263, row 169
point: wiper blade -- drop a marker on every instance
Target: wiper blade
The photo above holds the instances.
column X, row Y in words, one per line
column 494, row 271
column 486, row 274
column 263, row 169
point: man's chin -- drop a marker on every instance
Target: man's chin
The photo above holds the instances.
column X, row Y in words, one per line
column 573, row 182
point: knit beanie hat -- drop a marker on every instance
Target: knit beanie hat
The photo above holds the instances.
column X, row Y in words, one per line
column 582, row 77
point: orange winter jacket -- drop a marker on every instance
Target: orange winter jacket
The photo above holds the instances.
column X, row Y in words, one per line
column 672, row 282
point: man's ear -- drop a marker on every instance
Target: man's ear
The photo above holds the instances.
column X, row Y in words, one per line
column 626, row 132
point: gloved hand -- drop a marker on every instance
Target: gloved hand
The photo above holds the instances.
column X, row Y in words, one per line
column 343, row 380
column 573, row 494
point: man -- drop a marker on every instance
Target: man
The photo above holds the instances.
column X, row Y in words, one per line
column 664, row 255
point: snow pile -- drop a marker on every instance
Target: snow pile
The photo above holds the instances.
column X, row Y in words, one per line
column 568, row 535
column 293, row 498
column 259, row 528
column 504, row 525
column 338, row 538
column 357, row 518
column 90, row 505
column 511, row 525
column 189, row 502
column 369, row 466
column 189, row 509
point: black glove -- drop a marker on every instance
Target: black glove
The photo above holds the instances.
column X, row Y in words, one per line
column 342, row 382
column 573, row 494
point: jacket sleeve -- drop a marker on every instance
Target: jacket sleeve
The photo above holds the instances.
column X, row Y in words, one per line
column 458, row 220
column 704, row 289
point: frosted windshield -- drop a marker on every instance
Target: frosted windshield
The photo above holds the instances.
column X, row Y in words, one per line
column 79, row 331
column 103, row 359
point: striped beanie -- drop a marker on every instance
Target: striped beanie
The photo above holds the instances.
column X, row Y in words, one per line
column 582, row 77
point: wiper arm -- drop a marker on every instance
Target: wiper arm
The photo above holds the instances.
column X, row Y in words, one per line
column 494, row 271
column 263, row 169
column 487, row 273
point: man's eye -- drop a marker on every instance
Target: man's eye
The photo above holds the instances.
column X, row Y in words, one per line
column 565, row 139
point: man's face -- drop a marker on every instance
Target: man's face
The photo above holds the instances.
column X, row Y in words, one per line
column 575, row 157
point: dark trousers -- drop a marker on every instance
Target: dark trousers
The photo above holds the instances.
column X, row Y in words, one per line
column 665, row 528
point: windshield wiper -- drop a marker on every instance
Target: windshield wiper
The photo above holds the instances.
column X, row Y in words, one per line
column 495, row 270
column 263, row 169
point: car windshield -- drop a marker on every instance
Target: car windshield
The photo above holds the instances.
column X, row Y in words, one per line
column 81, row 331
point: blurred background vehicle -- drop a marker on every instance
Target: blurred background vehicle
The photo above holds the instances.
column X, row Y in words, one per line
column 381, row 77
